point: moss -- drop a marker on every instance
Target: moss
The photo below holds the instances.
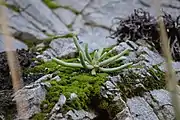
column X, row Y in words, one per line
column 53, row 5
column 73, row 80
column 69, row 26
column 40, row 116
column 154, row 80
column 84, row 85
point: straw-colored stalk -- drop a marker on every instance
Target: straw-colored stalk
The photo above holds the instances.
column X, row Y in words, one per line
column 12, row 58
column 171, row 81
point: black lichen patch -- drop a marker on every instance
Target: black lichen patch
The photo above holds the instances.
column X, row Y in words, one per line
column 7, row 106
column 25, row 60
column 141, row 25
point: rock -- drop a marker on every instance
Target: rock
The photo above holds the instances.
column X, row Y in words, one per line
column 59, row 105
column 73, row 96
column 43, row 78
column 162, row 97
column 96, row 38
column 66, row 16
column 140, row 109
column 30, row 98
column 115, row 79
column 109, row 85
column 46, row 18
column 124, row 115
column 122, row 46
column 57, row 78
column 20, row 24
column 79, row 115
column 75, row 4
column 103, row 11
column 161, row 102
column 63, row 47
column 2, row 117
column 152, row 57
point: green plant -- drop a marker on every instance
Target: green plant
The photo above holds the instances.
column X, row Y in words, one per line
column 96, row 62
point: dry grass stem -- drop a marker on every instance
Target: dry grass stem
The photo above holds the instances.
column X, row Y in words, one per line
column 172, row 85
column 12, row 59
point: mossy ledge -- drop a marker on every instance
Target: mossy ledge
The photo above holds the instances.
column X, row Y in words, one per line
column 87, row 87
column 76, row 81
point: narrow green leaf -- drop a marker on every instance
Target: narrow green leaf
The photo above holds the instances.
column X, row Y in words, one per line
column 77, row 44
column 112, row 59
column 67, row 64
column 87, row 53
column 83, row 62
column 100, row 51
column 116, row 68
column 103, row 56
column 95, row 58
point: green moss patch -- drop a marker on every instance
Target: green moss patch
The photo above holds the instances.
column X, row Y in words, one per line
column 73, row 80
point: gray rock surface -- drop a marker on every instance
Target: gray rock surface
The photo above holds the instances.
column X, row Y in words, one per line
column 33, row 20
column 92, row 24
column 63, row 47
column 30, row 98
column 140, row 109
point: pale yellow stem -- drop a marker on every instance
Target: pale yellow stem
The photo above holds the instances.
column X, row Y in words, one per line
column 171, row 79
column 12, row 60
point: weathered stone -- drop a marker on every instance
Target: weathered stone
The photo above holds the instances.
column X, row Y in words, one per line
column 109, row 85
column 73, row 96
column 30, row 98
column 43, row 78
column 66, row 16
column 96, row 38
column 122, row 46
column 63, row 47
column 79, row 115
column 75, row 4
column 103, row 11
column 41, row 17
column 59, row 104
column 57, row 78
column 140, row 109
column 124, row 115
